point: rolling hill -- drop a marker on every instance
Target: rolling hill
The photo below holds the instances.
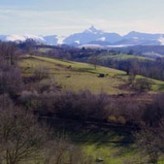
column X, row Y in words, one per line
column 82, row 76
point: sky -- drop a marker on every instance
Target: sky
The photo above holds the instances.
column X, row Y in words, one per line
column 64, row 17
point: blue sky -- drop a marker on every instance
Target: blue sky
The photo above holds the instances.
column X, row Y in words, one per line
column 64, row 17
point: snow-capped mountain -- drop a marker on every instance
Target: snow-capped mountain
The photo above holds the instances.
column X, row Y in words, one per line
column 92, row 37
column 21, row 38
column 141, row 36
column 138, row 38
column 50, row 40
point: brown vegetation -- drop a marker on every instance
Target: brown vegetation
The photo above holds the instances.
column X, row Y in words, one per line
column 23, row 138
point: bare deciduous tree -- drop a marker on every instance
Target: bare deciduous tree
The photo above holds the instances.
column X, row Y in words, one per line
column 7, row 50
column 21, row 138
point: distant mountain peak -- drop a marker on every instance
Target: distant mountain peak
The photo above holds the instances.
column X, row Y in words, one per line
column 92, row 36
column 93, row 30
column 133, row 32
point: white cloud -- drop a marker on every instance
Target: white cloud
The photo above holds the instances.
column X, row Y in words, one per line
column 123, row 27
column 65, row 22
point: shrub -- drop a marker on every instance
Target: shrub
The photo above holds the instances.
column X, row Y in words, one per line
column 82, row 106
column 40, row 73
column 150, row 141
column 142, row 85
column 154, row 112
column 10, row 81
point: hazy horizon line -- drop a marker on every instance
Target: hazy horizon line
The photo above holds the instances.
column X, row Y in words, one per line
column 80, row 31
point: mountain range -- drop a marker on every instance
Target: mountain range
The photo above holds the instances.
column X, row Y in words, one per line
column 93, row 37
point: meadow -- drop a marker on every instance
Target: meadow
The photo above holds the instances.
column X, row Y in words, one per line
column 78, row 76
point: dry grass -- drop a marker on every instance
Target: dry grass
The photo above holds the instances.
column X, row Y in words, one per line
column 80, row 76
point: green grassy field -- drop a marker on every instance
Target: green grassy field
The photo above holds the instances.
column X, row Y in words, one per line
column 124, row 57
column 107, row 147
column 78, row 76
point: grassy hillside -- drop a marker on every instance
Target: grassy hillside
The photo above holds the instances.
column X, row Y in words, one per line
column 79, row 76
column 124, row 57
